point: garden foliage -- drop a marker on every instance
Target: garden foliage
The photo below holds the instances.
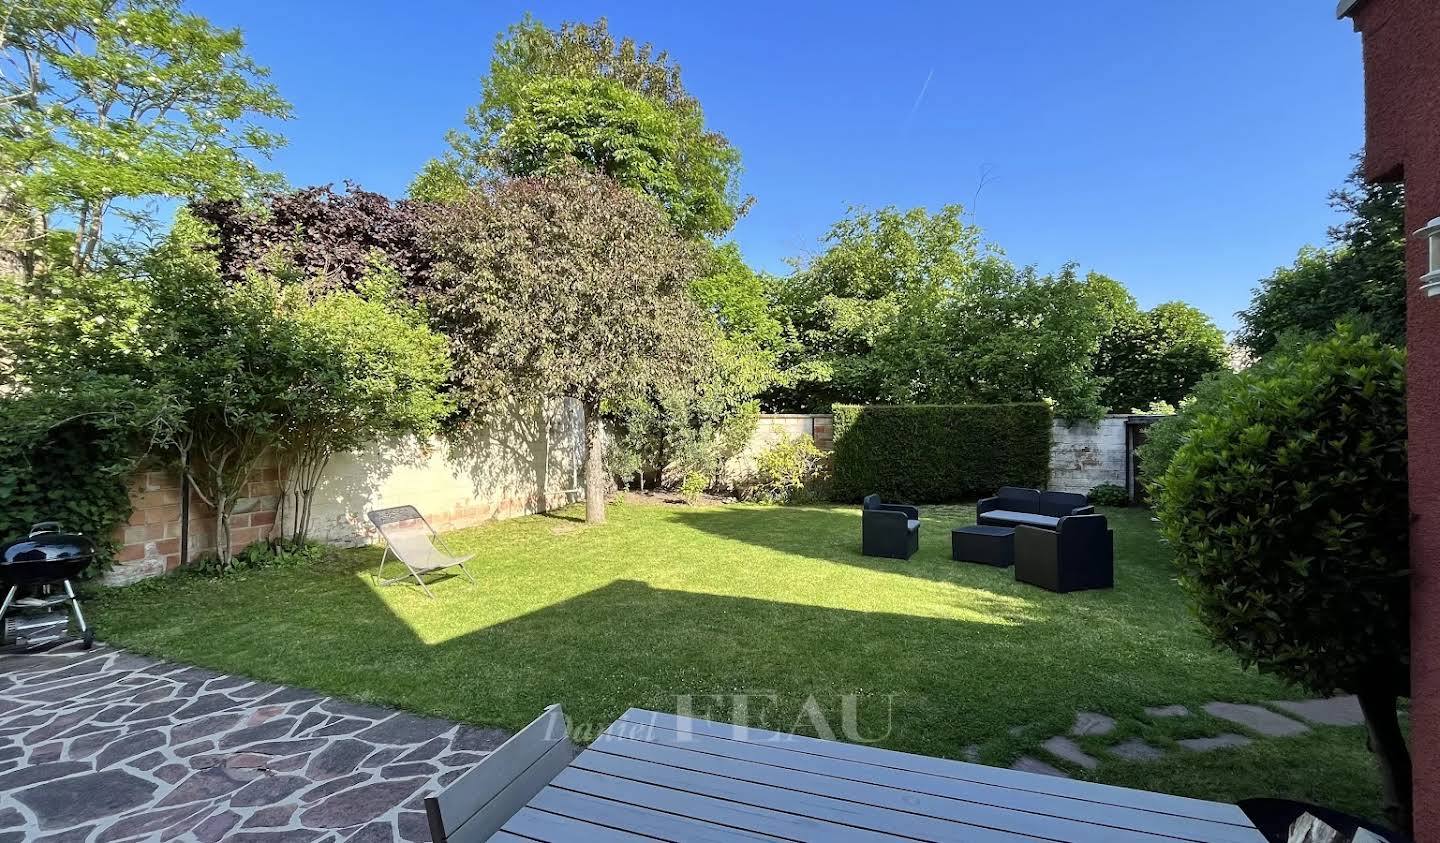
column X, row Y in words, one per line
column 1287, row 509
column 939, row 453
column 791, row 470
column 1360, row 274
column 569, row 287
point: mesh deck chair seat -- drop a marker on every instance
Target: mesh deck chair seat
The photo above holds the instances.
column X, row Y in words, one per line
column 411, row 538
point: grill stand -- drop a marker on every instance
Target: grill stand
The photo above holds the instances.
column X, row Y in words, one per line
column 13, row 611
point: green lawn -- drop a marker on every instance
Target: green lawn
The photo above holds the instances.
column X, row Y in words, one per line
column 772, row 602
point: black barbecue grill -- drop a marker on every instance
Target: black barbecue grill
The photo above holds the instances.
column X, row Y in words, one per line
column 36, row 572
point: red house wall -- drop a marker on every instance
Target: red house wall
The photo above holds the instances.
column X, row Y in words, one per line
column 1402, row 130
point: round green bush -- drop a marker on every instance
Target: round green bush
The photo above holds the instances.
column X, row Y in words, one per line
column 1287, row 507
column 1108, row 494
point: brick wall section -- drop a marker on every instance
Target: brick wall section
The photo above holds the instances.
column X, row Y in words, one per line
column 153, row 532
column 524, row 462
column 1401, row 43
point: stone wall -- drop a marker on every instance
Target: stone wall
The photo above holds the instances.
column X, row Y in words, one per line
column 1084, row 455
column 527, row 460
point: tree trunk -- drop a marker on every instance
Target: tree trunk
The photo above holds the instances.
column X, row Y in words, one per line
column 596, row 490
column 1393, row 756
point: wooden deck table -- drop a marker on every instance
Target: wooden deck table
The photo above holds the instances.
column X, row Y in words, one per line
column 653, row 776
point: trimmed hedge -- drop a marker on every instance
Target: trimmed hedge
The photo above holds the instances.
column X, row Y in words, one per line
column 937, row 453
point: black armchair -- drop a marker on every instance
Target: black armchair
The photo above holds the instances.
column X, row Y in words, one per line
column 888, row 529
column 1078, row 554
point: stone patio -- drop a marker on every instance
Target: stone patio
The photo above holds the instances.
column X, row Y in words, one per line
column 111, row 746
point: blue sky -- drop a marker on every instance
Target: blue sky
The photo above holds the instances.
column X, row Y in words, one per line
column 1185, row 149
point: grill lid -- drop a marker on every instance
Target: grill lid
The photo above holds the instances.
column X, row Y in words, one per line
column 47, row 547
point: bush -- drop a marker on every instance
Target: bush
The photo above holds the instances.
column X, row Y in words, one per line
column 939, row 452
column 693, row 485
column 264, row 554
column 1287, row 506
column 1108, row 494
column 1164, row 437
column 792, row 470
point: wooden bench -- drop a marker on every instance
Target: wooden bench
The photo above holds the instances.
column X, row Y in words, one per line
column 474, row 806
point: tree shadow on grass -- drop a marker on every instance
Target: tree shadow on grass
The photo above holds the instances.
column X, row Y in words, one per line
column 832, row 534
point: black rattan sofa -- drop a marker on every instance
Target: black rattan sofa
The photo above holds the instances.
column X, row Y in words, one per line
column 1013, row 506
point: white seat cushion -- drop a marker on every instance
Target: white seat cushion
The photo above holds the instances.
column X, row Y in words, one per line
column 1029, row 518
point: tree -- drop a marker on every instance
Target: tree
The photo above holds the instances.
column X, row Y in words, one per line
column 573, row 287
column 330, row 238
column 694, row 429
column 114, row 102
column 1361, row 274
column 576, row 95
column 375, row 369
column 1287, row 509
column 1158, row 355
column 867, row 302
column 275, row 365
column 912, row 307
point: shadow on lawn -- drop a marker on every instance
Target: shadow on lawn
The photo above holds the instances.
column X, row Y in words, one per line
column 832, row 534
column 627, row 644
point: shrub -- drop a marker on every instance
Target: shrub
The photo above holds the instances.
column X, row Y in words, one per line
column 693, row 485
column 1108, row 494
column 1287, row 508
column 939, row 452
column 264, row 554
column 792, row 470
column 1164, row 437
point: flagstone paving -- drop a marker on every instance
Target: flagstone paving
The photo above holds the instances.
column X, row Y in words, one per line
column 107, row 745
column 1259, row 720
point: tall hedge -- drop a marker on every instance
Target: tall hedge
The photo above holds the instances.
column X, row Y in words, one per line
column 939, row 452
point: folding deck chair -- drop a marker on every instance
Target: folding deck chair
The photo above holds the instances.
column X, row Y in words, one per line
column 412, row 539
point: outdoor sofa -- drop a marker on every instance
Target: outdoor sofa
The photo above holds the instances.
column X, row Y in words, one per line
column 1014, row 506
column 888, row 529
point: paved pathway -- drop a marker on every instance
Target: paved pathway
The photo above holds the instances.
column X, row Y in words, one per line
column 1265, row 722
column 110, row 746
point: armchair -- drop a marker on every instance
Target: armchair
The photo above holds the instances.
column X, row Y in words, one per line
column 888, row 529
column 1078, row 554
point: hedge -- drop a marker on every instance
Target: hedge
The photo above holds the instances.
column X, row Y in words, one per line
column 937, row 453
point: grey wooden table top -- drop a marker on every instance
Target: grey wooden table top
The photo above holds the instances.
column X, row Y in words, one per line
column 658, row 776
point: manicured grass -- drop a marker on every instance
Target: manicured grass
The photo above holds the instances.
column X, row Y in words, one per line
column 772, row 602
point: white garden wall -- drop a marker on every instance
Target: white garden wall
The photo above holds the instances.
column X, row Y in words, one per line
column 525, row 461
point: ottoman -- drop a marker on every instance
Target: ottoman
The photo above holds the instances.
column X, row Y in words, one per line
column 984, row 544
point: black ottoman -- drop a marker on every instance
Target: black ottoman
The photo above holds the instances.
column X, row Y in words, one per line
column 984, row 544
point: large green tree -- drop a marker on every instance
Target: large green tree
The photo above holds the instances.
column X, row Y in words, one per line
column 1158, row 355
column 1361, row 273
column 573, row 287
column 110, row 103
column 909, row 306
column 576, row 94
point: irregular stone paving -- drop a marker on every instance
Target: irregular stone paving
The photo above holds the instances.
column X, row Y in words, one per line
column 108, row 746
